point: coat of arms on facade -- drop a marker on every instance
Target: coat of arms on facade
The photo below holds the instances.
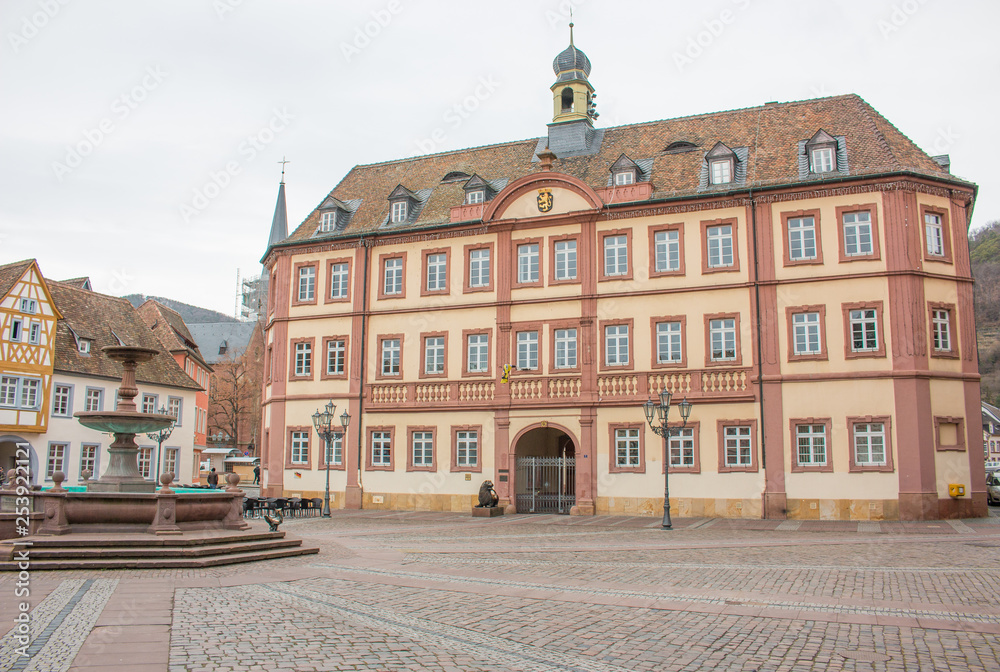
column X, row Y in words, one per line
column 545, row 200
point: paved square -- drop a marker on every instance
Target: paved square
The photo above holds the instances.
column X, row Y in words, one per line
column 436, row 591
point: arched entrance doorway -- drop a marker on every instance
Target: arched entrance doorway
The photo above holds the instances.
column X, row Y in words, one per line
column 12, row 449
column 545, row 477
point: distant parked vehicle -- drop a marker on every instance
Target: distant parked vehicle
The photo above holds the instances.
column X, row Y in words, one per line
column 993, row 488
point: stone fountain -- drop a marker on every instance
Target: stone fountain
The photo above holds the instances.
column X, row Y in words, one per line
column 122, row 521
column 122, row 474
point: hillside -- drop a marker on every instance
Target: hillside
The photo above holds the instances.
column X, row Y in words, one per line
column 984, row 249
column 191, row 314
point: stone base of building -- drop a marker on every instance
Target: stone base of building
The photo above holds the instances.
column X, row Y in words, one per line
column 842, row 509
column 680, row 507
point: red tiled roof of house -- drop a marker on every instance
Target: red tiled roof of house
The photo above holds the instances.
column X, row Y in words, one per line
column 771, row 134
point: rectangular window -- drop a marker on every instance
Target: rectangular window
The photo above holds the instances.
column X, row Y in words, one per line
column 722, row 337
column 941, row 329
column 479, row 268
column 479, row 353
column 94, row 400
column 335, row 451
column 627, row 447
column 527, row 263
column 393, row 276
column 336, row 354
column 423, row 449
column 88, row 458
column 869, row 444
column 300, row 447
column 84, row 346
column 801, row 238
column 935, row 234
column 339, row 281
column 399, row 211
column 8, row 390
column 390, row 357
column 858, row 240
column 174, row 405
column 145, row 462
column 434, row 354
column 382, row 449
column 616, row 255
column 307, row 283
column 303, row 359
column 30, row 392
column 16, row 330
column 565, row 343
column 61, row 400
column 437, row 272
column 473, row 197
column 722, row 172
column 668, row 251
column 681, row 445
column 624, row 177
column 29, row 306
column 527, row 350
column 328, row 221
column 668, row 343
column 467, row 450
column 170, row 461
column 738, row 446
column 864, row 330
column 720, row 246
column 565, row 260
column 149, row 403
column 811, row 444
column 616, row 345
column 34, row 333
column 57, row 459
column 806, row 332
column 822, row 160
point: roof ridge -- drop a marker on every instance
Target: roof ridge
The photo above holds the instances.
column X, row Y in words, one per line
column 867, row 111
column 421, row 157
column 17, row 263
column 62, row 284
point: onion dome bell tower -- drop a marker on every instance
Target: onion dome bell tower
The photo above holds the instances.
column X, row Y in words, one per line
column 572, row 94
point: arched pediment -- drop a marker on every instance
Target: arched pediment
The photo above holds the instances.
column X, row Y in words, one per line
column 524, row 198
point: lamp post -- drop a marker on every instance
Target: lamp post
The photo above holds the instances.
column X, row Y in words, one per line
column 160, row 437
column 323, row 422
column 658, row 417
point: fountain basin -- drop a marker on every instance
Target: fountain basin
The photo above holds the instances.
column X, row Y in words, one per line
column 123, row 422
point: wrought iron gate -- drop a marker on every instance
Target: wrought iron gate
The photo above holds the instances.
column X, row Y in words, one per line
column 545, row 484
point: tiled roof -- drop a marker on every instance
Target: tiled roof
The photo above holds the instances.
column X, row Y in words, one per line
column 772, row 132
column 11, row 273
column 97, row 316
column 168, row 325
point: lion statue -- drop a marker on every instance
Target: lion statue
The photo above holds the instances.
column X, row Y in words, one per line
column 487, row 495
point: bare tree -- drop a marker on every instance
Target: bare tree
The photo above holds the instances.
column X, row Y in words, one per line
column 234, row 403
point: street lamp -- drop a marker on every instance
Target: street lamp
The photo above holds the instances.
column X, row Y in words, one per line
column 323, row 422
column 160, row 437
column 660, row 415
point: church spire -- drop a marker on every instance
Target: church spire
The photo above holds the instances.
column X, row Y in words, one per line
column 279, row 224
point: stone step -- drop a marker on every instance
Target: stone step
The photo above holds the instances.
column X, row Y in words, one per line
column 164, row 562
column 145, row 540
column 201, row 550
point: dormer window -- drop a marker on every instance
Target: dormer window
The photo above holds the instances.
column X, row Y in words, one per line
column 83, row 345
column 328, row 221
column 821, row 150
column 679, row 146
column 721, row 164
column 477, row 190
column 625, row 171
column 399, row 211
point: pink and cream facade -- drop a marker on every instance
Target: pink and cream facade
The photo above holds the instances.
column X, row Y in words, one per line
column 799, row 272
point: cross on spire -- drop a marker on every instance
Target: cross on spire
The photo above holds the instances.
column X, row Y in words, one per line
column 283, row 162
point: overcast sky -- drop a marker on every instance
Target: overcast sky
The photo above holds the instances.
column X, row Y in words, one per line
column 139, row 140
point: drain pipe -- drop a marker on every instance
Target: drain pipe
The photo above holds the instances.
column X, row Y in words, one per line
column 760, row 333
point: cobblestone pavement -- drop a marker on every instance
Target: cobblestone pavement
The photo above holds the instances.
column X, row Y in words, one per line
column 436, row 591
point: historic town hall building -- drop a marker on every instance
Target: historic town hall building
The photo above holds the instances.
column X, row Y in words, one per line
column 798, row 271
